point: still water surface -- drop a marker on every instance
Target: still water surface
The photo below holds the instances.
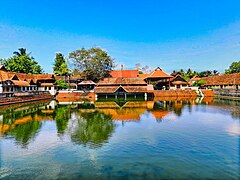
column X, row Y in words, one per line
column 143, row 140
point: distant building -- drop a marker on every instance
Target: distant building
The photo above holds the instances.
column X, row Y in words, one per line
column 177, row 82
column 225, row 81
column 11, row 82
column 193, row 80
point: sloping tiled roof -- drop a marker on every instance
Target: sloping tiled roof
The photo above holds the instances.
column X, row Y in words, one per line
column 175, row 73
column 20, row 83
column 122, row 81
column 105, row 89
column 3, row 76
column 124, row 73
column 177, row 80
column 46, row 84
column 193, row 79
column 225, row 79
column 142, row 75
column 158, row 73
column 87, row 82
column 113, row 89
column 43, row 76
column 59, row 77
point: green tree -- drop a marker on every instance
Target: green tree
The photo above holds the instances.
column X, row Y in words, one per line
column 233, row 68
column 22, row 62
column 94, row 63
column 61, row 84
column 199, row 83
column 60, row 65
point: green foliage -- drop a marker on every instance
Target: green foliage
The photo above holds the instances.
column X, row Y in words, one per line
column 63, row 114
column 61, row 84
column 22, row 62
column 233, row 68
column 94, row 63
column 60, row 66
column 154, row 84
column 199, row 83
column 93, row 127
column 23, row 133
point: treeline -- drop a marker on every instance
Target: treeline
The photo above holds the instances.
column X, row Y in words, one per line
column 187, row 75
column 93, row 64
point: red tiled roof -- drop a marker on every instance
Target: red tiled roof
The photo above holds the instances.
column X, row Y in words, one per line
column 225, row 79
column 104, row 89
column 179, row 82
column 142, row 75
column 59, row 77
column 43, row 76
column 46, row 84
column 124, row 73
column 122, row 81
column 20, row 83
column 113, row 89
column 158, row 73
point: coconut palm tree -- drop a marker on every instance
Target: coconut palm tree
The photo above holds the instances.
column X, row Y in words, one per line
column 22, row 52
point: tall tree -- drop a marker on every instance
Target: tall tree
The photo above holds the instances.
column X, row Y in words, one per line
column 233, row 68
column 94, row 63
column 22, row 62
column 60, row 65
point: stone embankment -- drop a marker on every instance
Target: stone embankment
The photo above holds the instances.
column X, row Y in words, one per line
column 27, row 97
column 69, row 96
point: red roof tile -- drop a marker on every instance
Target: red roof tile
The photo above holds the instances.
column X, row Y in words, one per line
column 122, row 81
column 158, row 73
column 225, row 79
column 124, row 73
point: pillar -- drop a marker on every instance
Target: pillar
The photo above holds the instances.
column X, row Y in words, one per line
column 145, row 96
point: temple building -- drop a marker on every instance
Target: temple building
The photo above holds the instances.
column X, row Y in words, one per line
column 177, row 82
column 225, row 81
column 121, row 88
column 12, row 83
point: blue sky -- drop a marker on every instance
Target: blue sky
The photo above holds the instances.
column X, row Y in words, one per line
column 171, row 34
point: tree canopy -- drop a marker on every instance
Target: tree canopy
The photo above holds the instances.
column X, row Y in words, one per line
column 22, row 62
column 233, row 68
column 94, row 63
column 60, row 65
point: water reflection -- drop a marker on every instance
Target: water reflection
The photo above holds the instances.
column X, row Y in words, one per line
column 93, row 123
column 93, row 128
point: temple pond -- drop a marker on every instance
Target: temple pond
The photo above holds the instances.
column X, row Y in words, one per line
column 193, row 139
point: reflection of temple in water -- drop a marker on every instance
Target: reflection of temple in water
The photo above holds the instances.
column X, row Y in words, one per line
column 24, row 120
